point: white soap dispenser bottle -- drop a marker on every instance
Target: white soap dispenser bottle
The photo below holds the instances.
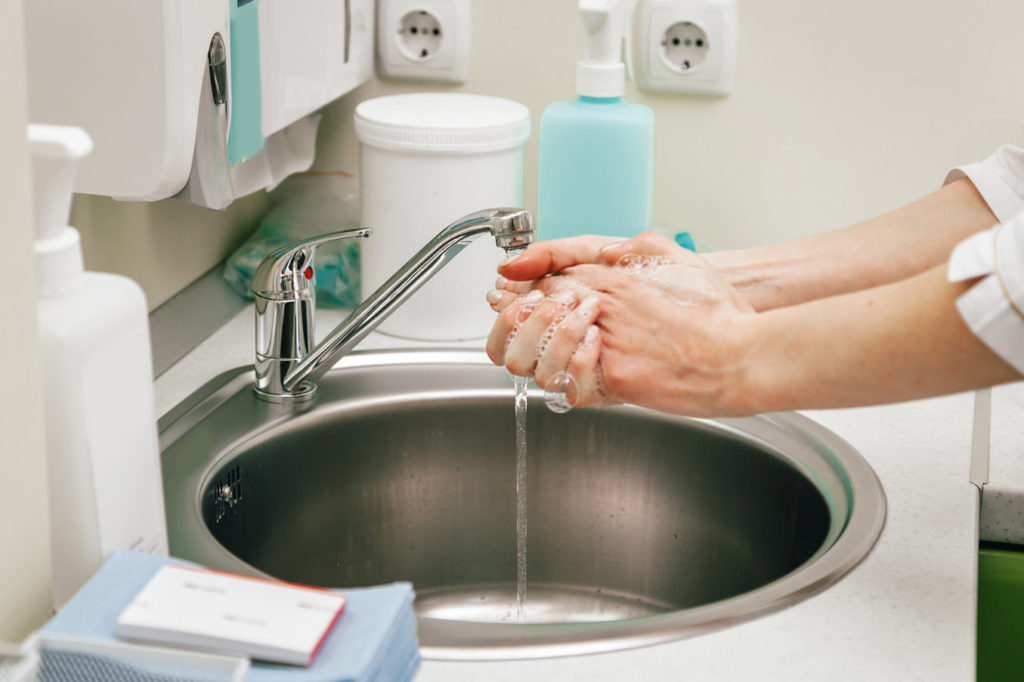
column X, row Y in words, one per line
column 102, row 452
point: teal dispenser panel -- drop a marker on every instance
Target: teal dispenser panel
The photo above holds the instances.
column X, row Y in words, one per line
column 245, row 134
column 596, row 168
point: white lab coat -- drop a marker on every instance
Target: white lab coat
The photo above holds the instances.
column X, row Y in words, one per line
column 994, row 307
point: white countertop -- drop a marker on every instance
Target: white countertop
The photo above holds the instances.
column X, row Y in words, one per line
column 906, row 613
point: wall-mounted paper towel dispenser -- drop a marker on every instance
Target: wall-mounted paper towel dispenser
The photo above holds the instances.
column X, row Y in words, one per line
column 207, row 100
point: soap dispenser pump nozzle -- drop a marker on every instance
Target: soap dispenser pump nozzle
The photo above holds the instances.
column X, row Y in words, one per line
column 57, row 153
column 606, row 25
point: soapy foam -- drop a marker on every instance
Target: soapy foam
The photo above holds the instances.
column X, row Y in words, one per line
column 643, row 265
column 686, row 283
column 565, row 301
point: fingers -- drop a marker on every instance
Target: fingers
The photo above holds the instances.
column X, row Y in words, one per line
column 585, row 368
column 649, row 243
column 532, row 334
column 507, row 324
column 563, row 340
column 500, row 299
column 553, row 339
column 577, row 381
column 505, row 292
column 547, row 257
column 514, row 286
column 599, row 278
column 515, row 313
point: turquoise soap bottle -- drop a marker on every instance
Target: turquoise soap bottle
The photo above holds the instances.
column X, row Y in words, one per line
column 596, row 168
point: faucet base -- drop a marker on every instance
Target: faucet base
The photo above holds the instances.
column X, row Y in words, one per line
column 303, row 393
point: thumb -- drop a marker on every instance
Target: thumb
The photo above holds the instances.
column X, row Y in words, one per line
column 547, row 257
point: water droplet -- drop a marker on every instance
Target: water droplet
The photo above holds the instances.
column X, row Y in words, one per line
column 555, row 395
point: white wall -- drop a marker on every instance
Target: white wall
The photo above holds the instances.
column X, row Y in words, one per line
column 841, row 109
column 162, row 245
column 24, row 527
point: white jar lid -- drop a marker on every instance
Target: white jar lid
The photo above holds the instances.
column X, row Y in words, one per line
column 442, row 122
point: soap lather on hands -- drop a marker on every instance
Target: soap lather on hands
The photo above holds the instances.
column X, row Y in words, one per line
column 641, row 321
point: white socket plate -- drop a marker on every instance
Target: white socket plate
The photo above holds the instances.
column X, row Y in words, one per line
column 447, row 58
column 715, row 73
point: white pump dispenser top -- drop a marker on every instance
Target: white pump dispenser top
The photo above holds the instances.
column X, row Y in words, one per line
column 57, row 153
column 606, row 24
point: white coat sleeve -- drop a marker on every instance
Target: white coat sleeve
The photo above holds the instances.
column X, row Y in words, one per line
column 999, row 179
column 994, row 307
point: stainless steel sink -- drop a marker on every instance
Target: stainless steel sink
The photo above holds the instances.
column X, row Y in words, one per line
column 642, row 527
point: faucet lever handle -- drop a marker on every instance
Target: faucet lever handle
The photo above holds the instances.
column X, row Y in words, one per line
column 289, row 270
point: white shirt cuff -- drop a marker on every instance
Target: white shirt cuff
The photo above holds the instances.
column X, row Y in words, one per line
column 994, row 307
column 999, row 179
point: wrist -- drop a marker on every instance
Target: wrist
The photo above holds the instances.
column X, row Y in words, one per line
column 741, row 393
column 756, row 275
column 761, row 382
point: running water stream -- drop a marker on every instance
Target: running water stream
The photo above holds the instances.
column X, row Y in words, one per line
column 521, row 387
column 521, row 384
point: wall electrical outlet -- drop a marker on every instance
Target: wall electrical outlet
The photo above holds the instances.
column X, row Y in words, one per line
column 685, row 46
column 423, row 39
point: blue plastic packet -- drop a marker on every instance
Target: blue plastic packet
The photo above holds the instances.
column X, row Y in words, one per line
column 307, row 206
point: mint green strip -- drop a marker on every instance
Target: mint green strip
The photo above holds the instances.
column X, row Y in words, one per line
column 245, row 135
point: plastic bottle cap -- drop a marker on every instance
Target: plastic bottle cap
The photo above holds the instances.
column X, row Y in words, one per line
column 442, row 122
column 59, row 265
column 600, row 80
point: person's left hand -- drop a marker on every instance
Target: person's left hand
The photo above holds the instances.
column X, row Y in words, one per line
column 653, row 326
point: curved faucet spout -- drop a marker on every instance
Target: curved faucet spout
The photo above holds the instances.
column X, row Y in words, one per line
column 511, row 228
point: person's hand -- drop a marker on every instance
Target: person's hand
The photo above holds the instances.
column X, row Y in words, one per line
column 652, row 325
column 554, row 255
column 517, row 274
column 549, row 333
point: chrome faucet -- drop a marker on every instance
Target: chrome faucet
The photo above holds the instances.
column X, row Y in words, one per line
column 287, row 365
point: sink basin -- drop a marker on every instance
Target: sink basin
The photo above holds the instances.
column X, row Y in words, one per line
column 643, row 527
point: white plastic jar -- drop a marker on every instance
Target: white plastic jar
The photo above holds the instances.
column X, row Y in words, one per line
column 427, row 159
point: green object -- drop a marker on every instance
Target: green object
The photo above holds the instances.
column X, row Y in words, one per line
column 245, row 133
column 1000, row 613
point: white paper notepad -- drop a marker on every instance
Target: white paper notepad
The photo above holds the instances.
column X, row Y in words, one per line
column 226, row 613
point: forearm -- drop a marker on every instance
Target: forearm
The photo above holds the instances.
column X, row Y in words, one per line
column 901, row 341
column 885, row 249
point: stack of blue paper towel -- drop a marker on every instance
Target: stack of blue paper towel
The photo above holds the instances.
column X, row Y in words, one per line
column 373, row 641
